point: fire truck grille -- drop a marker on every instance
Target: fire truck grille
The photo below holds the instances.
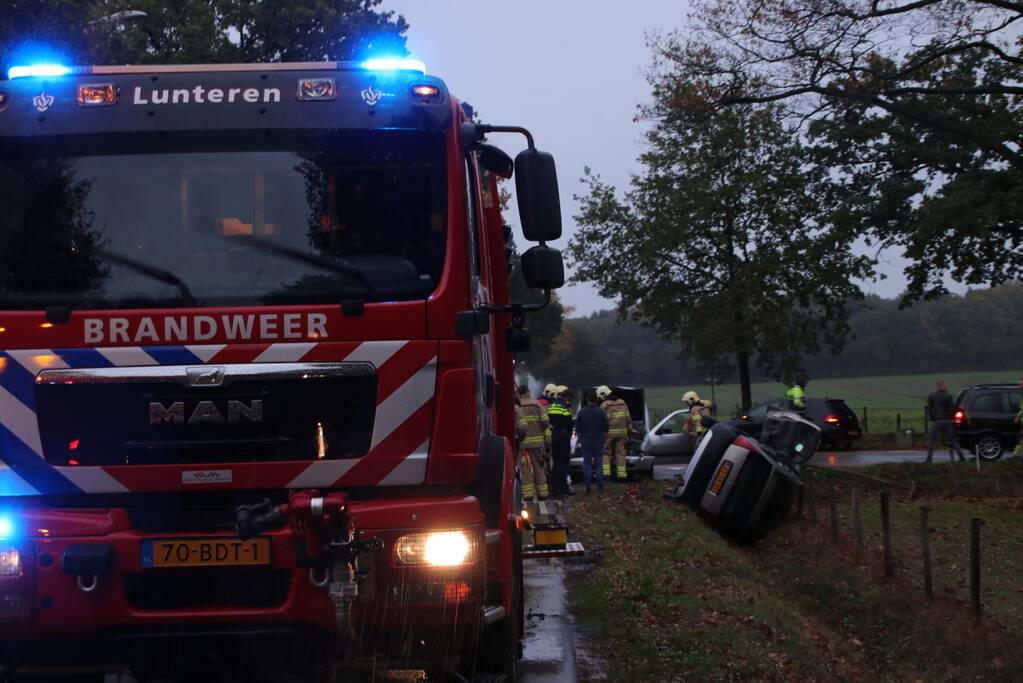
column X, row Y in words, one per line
column 186, row 415
column 179, row 589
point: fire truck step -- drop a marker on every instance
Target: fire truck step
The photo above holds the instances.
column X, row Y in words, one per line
column 573, row 549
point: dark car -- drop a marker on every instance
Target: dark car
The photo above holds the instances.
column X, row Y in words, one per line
column 840, row 428
column 983, row 419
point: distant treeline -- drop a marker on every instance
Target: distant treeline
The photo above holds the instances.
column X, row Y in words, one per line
column 981, row 330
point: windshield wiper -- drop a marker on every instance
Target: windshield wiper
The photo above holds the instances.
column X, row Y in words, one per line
column 144, row 268
column 330, row 265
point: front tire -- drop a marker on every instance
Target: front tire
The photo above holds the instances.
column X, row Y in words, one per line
column 988, row 447
column 500, row 645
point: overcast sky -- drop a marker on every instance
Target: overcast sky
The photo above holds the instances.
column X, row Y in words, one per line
column 570, row 71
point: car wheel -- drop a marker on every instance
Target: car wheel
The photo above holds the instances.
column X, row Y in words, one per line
column 988, row 447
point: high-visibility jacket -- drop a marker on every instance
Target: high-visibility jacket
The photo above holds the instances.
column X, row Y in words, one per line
column 533, row 420
column 560, row 418
column 618, row 418
column 796, row 394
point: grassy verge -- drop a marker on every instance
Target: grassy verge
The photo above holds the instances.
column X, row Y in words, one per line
column 905, row 392
column 669, row 599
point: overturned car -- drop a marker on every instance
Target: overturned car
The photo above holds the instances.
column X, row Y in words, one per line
column 743, row 485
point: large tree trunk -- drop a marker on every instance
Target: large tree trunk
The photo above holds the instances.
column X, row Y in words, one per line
column 742, row 357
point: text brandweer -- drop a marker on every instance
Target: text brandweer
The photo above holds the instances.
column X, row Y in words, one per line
column 202, row 95
column 266, row 326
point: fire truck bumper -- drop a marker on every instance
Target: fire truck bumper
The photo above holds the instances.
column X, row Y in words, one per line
column 92, row 591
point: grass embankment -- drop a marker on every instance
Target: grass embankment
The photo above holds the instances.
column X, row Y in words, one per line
column 669, row 599
column 953, row 494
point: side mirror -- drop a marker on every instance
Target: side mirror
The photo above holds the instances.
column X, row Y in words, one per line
column 536, row 187
column 543, row 268
column 496, row 161
column 517, row 340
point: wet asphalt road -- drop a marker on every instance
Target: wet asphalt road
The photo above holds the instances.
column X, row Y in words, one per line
column 549, row 645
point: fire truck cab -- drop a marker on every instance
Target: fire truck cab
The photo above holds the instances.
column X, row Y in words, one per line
column 256, row 372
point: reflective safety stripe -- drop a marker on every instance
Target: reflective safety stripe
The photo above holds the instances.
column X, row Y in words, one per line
column 607, row 469
column 544, row 491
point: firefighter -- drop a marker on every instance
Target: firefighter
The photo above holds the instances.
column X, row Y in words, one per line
column 533, row 420
column 698, row 409
column 619, row 421
column 559, row 414
column 796, row 394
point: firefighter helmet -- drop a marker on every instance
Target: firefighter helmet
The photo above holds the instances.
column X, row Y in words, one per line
column 603, row 391
column 549, row 391
column 690, row 398
column 561, row 390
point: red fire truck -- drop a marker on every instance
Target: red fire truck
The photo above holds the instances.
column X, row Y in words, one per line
column 256, row 372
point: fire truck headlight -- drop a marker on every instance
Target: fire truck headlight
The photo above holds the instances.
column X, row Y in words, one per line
column 10, row 563
column 437, row 549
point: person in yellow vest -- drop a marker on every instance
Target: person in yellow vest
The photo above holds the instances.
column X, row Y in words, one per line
column 796, row 394
column 618, row 423
column 698, row 409
column 532, row 420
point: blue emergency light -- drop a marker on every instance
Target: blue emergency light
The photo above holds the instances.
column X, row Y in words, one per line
column 6, row 527
column 38, row 70
column 394, row 64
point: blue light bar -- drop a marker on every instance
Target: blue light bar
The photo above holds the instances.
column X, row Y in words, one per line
column 38, row 70
column 6, row 527
column 394, row 64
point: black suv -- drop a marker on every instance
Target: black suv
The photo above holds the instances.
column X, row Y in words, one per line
column 984, row 417
column 840, row 428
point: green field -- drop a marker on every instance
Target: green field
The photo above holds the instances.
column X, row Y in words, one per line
column 887, row 395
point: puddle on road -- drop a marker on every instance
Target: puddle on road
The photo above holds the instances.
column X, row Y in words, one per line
column 556, row 648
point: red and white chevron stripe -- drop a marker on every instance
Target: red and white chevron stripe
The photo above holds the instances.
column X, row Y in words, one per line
column 400, row 442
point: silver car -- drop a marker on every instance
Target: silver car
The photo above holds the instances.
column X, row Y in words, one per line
column 663, row 444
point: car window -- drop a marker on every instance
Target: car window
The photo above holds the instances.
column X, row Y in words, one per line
column 758, row 412
column 837, row 407
column 674, row 424
column 1014, row 397
column 992, row 402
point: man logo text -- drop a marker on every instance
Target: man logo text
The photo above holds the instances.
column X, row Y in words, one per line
column 205, row 412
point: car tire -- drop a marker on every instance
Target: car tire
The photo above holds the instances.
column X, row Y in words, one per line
column 988, row 447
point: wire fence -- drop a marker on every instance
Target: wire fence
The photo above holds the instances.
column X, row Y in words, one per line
column 908, row 425
column 948, row 549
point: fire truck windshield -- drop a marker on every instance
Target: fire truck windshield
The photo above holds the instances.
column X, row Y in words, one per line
column 241, row 218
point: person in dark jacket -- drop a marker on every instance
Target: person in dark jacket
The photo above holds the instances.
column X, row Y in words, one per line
column 560, row 416
column 591, row 429
column 939, row 412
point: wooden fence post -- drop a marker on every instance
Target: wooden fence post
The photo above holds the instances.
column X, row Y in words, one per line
column 833, row 504
column 857, row 523
column 865, row 428
column 811, row 495
column 975, row 567
column 886, row 533
column 898, row 422
column 925, row 545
